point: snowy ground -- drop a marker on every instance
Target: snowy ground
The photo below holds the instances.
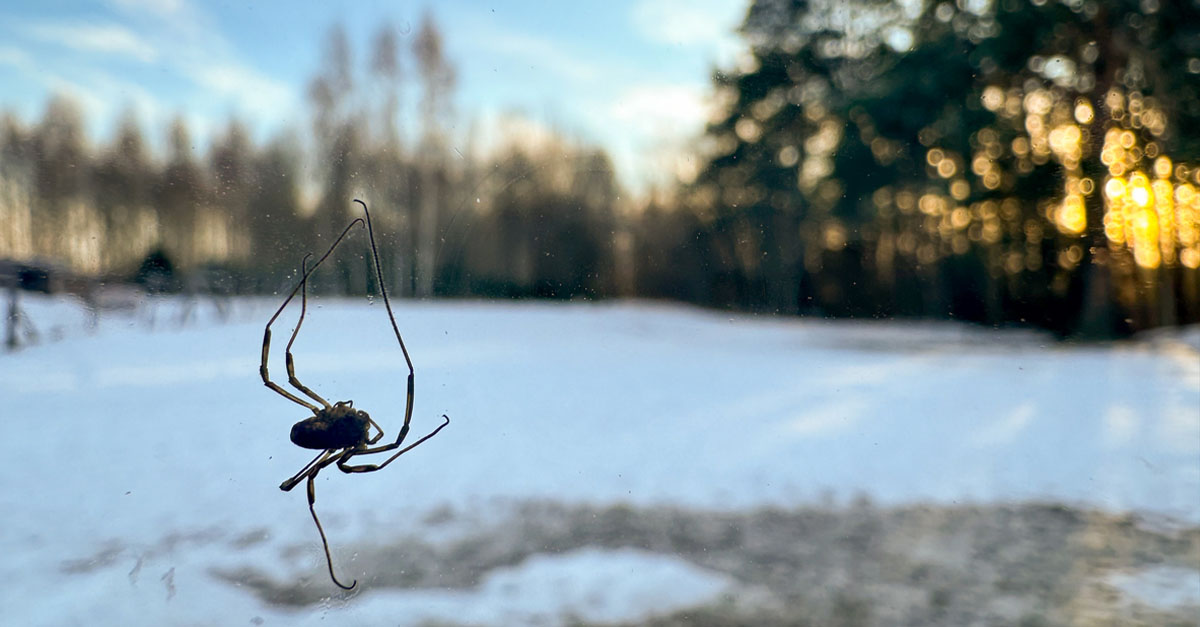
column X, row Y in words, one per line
column 143, row 456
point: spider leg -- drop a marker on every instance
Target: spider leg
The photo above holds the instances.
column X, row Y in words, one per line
column 309, row 472
column 341, row 463
column 262, row 369
column 288, row 359
column 312, row 498
column 408, row 407
column 377, row 428
column 287, row 485
column 383, row 289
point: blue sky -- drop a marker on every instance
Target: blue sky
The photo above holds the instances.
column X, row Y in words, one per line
column 629, row 75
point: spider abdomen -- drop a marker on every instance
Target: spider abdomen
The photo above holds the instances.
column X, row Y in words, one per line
column 340, row 426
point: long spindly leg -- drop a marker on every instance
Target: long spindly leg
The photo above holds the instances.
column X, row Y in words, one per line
column 408, row 405
column 262, row 369
column 383, row 288
column 373, row 467
column 312, row 499
column 287, row 485
column 288, row 359
column 309, row 472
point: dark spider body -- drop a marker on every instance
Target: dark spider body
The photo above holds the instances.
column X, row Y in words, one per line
column 340, row 426
column 339, row 431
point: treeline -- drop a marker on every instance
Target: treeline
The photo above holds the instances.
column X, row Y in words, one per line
column 1015, row 162
column 524, row 219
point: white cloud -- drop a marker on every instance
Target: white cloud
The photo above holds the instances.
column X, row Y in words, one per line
column 694, row 23
column 497, row 131
column 681, row 21
column 536, row 52
column 197, row 72
column 103, row 97
column 15, row 57
column 662, row 111
column 647, row 129
column 197, row 51
column 105, row 39
column 253, row 92
column 161, row 8
column 94, row 105
column 189, row 46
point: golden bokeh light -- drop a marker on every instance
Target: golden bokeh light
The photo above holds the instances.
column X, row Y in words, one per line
column 1139, row 190
column 960, row 189
column 993, row 98
column 1146, row 202
column 1114, row 189
column 1156, row 219
column 1071, row 215
column 834, row 236
column 1083, row 111
column 960, row 218
column 1162, row 167
column 748, row 130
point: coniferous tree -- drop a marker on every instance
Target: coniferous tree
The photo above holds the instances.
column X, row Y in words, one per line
column 1003, row 161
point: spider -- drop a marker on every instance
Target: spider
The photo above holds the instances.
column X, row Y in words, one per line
column 339, row 431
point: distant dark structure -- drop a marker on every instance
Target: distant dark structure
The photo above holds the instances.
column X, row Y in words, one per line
column 157, row 275
column 34, row 275
column 25, row 276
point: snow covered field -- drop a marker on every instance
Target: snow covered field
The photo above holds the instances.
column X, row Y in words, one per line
column 142, row 465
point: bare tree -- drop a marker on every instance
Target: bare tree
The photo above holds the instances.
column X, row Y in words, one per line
column 16, row 190
column 280, row 235
column 387, row 169
column 338, row 136
column 437, row 82
column 124, row 183
column 61, row 168
column 387, row 72
column 231, row 172
column 178, row 196
column 329, row 88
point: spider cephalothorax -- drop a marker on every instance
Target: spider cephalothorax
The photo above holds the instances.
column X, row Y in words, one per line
column 339, row 431
column 340, row 426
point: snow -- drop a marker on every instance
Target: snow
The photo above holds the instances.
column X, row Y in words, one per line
column 593, row 585
column 143, row 456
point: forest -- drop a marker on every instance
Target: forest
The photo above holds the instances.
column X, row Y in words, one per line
column 1012, row 163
